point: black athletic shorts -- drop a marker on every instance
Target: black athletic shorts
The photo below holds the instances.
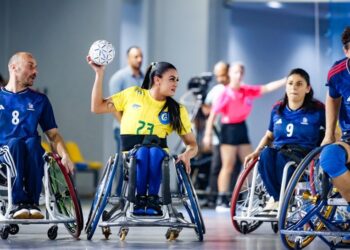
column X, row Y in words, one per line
column 234, row 134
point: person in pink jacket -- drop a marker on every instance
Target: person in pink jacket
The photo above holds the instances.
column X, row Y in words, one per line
column 234, row 104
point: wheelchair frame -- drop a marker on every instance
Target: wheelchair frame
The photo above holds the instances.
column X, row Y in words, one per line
column 120, row 214
column 245, row 217
column 55, row 199
column 310, row 195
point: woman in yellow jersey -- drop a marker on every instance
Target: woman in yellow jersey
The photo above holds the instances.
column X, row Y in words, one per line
column 148, row 110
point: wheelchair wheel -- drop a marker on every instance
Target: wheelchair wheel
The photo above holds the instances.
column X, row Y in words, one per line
column 101, row 196
column 191, row 203
column 241, row 196
column 66, row 197
column 304, row 205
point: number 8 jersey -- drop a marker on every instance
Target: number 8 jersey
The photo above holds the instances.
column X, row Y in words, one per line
column 301, row 127
column 22, row 112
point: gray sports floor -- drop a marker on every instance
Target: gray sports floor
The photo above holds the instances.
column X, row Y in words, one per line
column 220, row 235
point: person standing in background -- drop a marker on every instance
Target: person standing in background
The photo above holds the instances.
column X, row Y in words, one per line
column 234, row 104
column 221, row 69
column 124, row 78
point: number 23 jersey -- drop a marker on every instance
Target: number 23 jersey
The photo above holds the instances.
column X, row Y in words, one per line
column 141, row 114
column 301, row 127
column 22, row 112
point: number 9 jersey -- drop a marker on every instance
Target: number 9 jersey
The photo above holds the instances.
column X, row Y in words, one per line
column 22, row 112
column 302, row 126
column 141, row 114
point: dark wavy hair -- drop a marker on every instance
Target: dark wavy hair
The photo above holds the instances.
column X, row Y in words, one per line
column 158, row 69
column 309, row 102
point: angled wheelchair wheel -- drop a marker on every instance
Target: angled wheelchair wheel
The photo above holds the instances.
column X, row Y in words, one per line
column 66, row 197
column 247, row 201
column 191, row 201
column 101, row 196
column 305, row 203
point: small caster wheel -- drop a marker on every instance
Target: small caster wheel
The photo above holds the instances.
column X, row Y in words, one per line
column 52, row 232
column 244, row 227
column 172, row 234
column 14, row 229
column 106, row 232
column 123, row 232
column 274, row 227
column 5, row 232
column 298, row 243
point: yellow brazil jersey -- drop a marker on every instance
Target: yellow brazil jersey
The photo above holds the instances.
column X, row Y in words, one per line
column 141, row 114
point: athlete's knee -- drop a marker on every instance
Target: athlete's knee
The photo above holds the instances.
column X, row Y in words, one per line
column 267, row 155
column 333, row 160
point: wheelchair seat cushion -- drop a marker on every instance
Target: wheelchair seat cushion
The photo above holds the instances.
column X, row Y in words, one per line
column 129, row 141
column 294, row 152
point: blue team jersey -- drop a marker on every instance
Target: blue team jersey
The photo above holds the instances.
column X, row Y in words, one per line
column 22, row 112
column 338, row 81
column 298, row 127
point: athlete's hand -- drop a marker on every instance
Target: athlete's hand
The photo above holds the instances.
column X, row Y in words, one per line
column 185, row 160
column 328, row 140
column 68, row 164
column 97, row 68
column 250, row 158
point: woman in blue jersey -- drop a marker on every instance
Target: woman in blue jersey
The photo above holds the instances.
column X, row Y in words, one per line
column 148, row 111
column 296, row 126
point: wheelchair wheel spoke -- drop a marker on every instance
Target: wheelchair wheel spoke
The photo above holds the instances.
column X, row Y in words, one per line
column 65, row 196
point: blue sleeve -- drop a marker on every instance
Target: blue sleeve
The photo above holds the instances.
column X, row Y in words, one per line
column 271, row 125
column 47, row 119
column 333, row 92
column 323, row 118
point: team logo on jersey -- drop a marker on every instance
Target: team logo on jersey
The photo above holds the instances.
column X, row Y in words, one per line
column 30, row 107
column 304, row 121
column 136, row 106
column 164, row 118
column 2, row 107
column 279, row 121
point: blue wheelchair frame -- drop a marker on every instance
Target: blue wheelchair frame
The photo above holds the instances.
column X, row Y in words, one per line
column 120, row 215
column 313, row 208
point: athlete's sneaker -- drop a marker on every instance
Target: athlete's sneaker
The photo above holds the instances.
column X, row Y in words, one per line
column 271, row 205
column 222, row 203
column 20, row 211
column 154, row 207
column 35, row 212
column 140, row 205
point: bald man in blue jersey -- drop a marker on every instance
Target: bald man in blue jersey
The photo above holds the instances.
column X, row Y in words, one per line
column 22, row 109
column 335, row 157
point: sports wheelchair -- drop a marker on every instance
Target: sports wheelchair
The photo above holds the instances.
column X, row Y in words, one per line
column 117, row 210
column 249, row 198
column 59, row 197
column 313, row 207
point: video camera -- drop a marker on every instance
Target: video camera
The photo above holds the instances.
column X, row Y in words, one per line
column 199, row 84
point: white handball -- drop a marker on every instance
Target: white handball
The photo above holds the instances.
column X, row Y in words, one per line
column 102, row 52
